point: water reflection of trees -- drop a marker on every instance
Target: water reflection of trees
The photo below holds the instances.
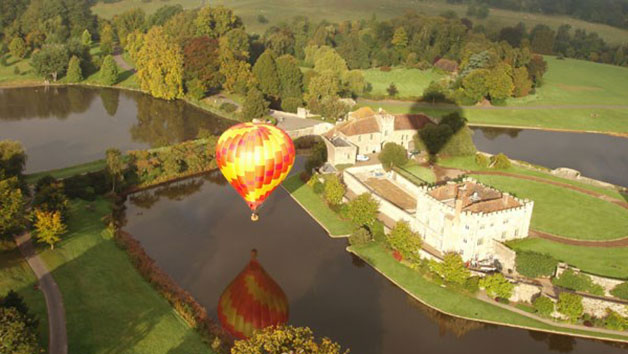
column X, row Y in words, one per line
column 555, row 342
column 173, row 191
column 110, row 99
column 215, row 177
column 161, row 122
column 44, row 102
column 448, row 324
column 492, row 133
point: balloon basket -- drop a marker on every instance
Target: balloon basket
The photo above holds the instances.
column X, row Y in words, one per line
column 254, row 217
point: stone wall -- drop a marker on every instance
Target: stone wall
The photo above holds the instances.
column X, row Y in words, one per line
column 525, row 292
column 597, row 307
column 606, row 283
column 505, row 256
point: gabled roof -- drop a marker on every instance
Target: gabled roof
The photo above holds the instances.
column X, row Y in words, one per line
column 363, row 112
column 359, row 126
column 476, row 198
column 411, row 121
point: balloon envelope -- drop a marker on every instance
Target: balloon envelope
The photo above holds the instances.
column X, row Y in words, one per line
column 255, row 158
column 252, row 301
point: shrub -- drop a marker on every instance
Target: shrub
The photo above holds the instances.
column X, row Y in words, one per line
column 404, row 240
column 534, row 265
column 18, row 47
column 481, row 160
column 543, row 305
column 451, row 269
column 291, row 104
column 74, row 70
column 262, row 19
column 108, row 74
column 196, row 89
column 360, row 236
column 615, row 321
column 393, row 155
column 285, row 339
column 570, row 305
column 472, row 284
column 16, row 70
column 500, row 162
column 578, row 282
column 621, row 291
column 385, row 69
column 497, row 286
column 228, row 107
column 363, row 210
column 334, row 190
column 392, row 90
column 318, row 187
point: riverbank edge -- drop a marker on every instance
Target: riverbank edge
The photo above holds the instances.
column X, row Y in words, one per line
column 10, row 85
column 506, row 324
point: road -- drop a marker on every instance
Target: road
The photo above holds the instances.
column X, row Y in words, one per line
column 58, row 338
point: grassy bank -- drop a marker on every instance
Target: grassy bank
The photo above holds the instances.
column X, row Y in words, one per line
column 449, row 301
column 109, row 307
column 16, row 274
column 68, row 171
column 317, row 207
column 409, row 82
column 277, row 11
column 606, row 262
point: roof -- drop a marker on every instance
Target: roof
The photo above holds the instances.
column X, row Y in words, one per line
column 338, row 141
column 476, row 198
column 359, row 126
column 362, row 112
column 446, row 64
column 411, row 121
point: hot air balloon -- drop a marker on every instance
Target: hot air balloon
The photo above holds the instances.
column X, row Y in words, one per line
column 255, row 158
column 252, row 301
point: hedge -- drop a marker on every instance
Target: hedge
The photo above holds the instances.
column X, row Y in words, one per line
column 534, row 265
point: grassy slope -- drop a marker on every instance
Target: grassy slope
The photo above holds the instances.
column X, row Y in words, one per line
column 315, row 204
column 68, row 171
column 409, row 82
column 444, row 298
column 332, row 10
column 421, row 172
column 15, row 274
column 565, row 212
column 608, row 262
column 109, row 307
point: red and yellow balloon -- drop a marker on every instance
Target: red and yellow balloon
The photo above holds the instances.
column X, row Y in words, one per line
column 255, row 158
column 252, row 301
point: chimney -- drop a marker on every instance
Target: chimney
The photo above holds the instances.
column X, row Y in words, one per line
column 458, row 201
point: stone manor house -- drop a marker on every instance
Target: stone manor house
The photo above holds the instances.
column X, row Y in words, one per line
column 366, row 132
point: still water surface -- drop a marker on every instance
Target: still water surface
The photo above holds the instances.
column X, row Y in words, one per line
column 65, row 126
column 597, row 156
column 199, row 232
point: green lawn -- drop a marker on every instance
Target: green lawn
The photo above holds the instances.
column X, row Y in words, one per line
column 423, row 173
column 443, row 298
column 564, row 212
column 277, row 11
column 15, row 274
column 317, row 207
column 607, row 262
column 109, row 307
column 409, row 82
column 25, row 76
column 68, row 171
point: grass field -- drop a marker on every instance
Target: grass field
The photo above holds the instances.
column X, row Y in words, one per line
column 68, row 171
column 607, row 262
column 564, row 212
column 15, row 274
column 109, row 307
column 443, row 298
column 315, row 204
column 420, row 172
column 409, row 82
column 277, row 11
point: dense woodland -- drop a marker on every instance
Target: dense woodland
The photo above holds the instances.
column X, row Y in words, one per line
column 194, row 53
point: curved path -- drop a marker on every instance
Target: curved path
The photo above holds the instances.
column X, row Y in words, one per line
column 446, row 172
column 58, row 338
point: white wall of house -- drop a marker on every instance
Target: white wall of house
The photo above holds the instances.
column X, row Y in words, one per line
column 339, row 155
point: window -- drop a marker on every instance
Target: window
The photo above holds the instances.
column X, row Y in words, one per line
column 503, row 235
column 371, row 136
column 505, row 221
column 466, row 227
column 516, row 232
column 359, row 137
column 481, row 241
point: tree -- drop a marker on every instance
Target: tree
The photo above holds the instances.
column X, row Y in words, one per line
column 330, row 60
column 115, row 166
column 570, row 305
column 86, row 38
column 497, row 286
column 255, row 106
column 201, row 62
column 393, row 155
column 74, row 70
column 534, row 265
column 108, row 74
column 499, row 82
column 392, row 90
column 543, row 305
column 12, row 206
column 163, row 14
column 106, row 39
column 353, row 83
column 50, row 196
column 17, row 47
column 233, row 56
column 49, row 227
column 216, row 21
column 452, row 269
column 360, row 236
column 500, row 162
column 400, row 38
column 285, row 339
column 363, row 210
column 615, row 321
column 265, row 71
column 18, row 336
column 334, row 190
column 475, row 84
column 51, row 61
column 522, row 82
column 542, row 39
column 160, row 65
column 12, row 159
column 407, row 242
column 536, row 69
column 128, row 22
column 290, row 77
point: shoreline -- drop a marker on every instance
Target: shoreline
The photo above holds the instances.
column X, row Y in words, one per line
column 27, row 84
